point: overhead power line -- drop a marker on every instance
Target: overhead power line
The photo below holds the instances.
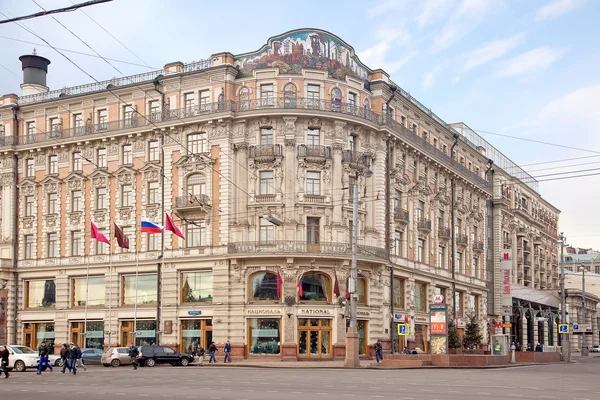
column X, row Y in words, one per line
column 56, row 11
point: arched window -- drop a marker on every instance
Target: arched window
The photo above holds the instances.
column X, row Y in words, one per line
column 196, row 185
column 289, row 95
column 244, row 98
column 361, row 289
column 336, row 99
column 315, row 287
column 263, row 286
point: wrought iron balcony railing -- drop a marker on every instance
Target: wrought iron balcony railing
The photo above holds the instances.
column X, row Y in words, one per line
column 478, row 246
column 189, row 200
column 424, row 224
column 401, row 215
column 299, row 247
column 355, row 157
column 444, row 233
column 265, row 150
column 314, row 151
column 462, row 239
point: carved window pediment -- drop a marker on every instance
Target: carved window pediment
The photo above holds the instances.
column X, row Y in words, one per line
column 28, row 186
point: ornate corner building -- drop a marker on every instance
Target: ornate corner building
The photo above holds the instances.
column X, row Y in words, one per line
column 255, row 156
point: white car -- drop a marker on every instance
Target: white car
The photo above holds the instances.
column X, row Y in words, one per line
column 22, row 357
column 595, row 349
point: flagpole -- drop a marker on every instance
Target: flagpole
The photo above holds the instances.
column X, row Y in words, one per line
column 137, row 267
column 87, row 291
column 110, row 293
column 161, row 264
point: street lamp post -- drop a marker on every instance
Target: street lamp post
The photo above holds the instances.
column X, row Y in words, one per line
column 566, row 347
column 352, row 359
column 584, row 349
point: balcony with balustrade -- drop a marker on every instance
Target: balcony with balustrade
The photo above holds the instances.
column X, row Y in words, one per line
column 314, row 153
column 444, row 233
column 462, row 239
column 265, row 152
column 191, row 203
column 478, row 246
column 401, row 216
column 424, row 225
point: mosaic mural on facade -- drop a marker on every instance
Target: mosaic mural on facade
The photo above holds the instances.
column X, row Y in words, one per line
column 304, row 49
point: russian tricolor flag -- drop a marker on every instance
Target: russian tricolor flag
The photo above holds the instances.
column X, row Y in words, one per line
column 150, row 227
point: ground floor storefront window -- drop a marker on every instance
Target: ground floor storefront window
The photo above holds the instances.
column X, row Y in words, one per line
column 264, row 336
column 146, row 332
column 422, row 337
column 34, row 333
column 92, row 337
column 314, row 338
column 198, row 331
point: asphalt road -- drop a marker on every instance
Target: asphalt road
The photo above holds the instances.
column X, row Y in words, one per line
column 573, row 382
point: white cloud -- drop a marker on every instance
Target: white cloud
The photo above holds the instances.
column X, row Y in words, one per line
column 430, row 77
column 468, row 15
column 492, row 51
column 375, row 56
column 384, row 7
column 557, row 8
column 432, row 10
column 532, row 62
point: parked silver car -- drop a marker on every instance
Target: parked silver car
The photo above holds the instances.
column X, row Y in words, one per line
column 115, row 357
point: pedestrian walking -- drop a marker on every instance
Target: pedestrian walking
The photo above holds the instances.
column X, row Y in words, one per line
column 133, row 353
column 74, row 355
column 378, row 351
column 192, row 349
column 212, row 349
column 43, row 352
column 4, row 361
column 227, row 350
column 201, row 353
column 64, row 356
column 79, row 361
column 538, row 348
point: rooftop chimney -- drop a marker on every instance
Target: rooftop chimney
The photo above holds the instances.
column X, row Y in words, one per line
column 35, row 69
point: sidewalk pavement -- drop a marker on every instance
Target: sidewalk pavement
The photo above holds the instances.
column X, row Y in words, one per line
column 288, row 364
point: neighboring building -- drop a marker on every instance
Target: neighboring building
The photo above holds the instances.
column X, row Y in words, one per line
column 260, row 155
column 580, row 250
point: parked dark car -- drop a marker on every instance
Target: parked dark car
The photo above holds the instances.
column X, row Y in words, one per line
column 151, row 355
column 91, row 356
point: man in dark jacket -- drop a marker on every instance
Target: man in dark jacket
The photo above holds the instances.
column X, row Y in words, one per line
column 43, row 352
column 211, row 350
column 4, row 361
column 74, row 355
column 64, row 356
column 133, row 353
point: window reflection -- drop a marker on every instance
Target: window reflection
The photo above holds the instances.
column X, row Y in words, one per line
column 263, row 286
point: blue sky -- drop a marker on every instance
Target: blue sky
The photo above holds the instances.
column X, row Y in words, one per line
column 523, row 68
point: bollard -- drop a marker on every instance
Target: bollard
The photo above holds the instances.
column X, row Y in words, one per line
column 512, row 357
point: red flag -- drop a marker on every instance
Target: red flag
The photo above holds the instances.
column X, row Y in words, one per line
column 299, row 285
column 99, row 236
column 279, row 283
column 122, row 240
column 336, row 287
column 170, row 226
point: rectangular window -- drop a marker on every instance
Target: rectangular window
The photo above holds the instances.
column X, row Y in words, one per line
column 313, row 183
column 397, row 200
column 441, row 257
column 458, row 304
column 266, row 95
column 267, row 232
column 459, row 262
column 197, row 143
column 153, row 193
column 398, row 293
column 30, row 138
column 153, row 151
column 205, row 100
column 197, row 287
column 421, row 250
column 52, row 203
column 392, row 113
column 127, row 115
column 55, row 127
column 88, row 291
column 127, row 154
column 101, row 158
column 475, row 267
column 266, row 137
column 397, row 250
column 76, row 201
column 126, row 196
column 351, row 101
column 101, row 198
column 153, row 241
column 52, row 245
column 313, row 235
column 29, row 242
column 189, row 101
column 154, row 110
column 266, row 183
column 29, row 206
column 314, row 138
column 77, row 161
column 313, row 95
column 77, row 121
column 102, row 117
column 142, row 292
column 420, row 209
column 101, row 247
column 76, row 243
column 420, row 296
column 473, row 309
column 265, row 336
column 352, row 143
column 39, row 294
column 29, row 168
column 196, row 234
column 53, row 164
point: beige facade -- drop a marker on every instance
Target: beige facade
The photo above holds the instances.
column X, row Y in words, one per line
column 247, row 140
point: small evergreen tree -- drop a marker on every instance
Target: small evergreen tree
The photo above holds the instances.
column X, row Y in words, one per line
column 453, row 339
column 473, row 335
